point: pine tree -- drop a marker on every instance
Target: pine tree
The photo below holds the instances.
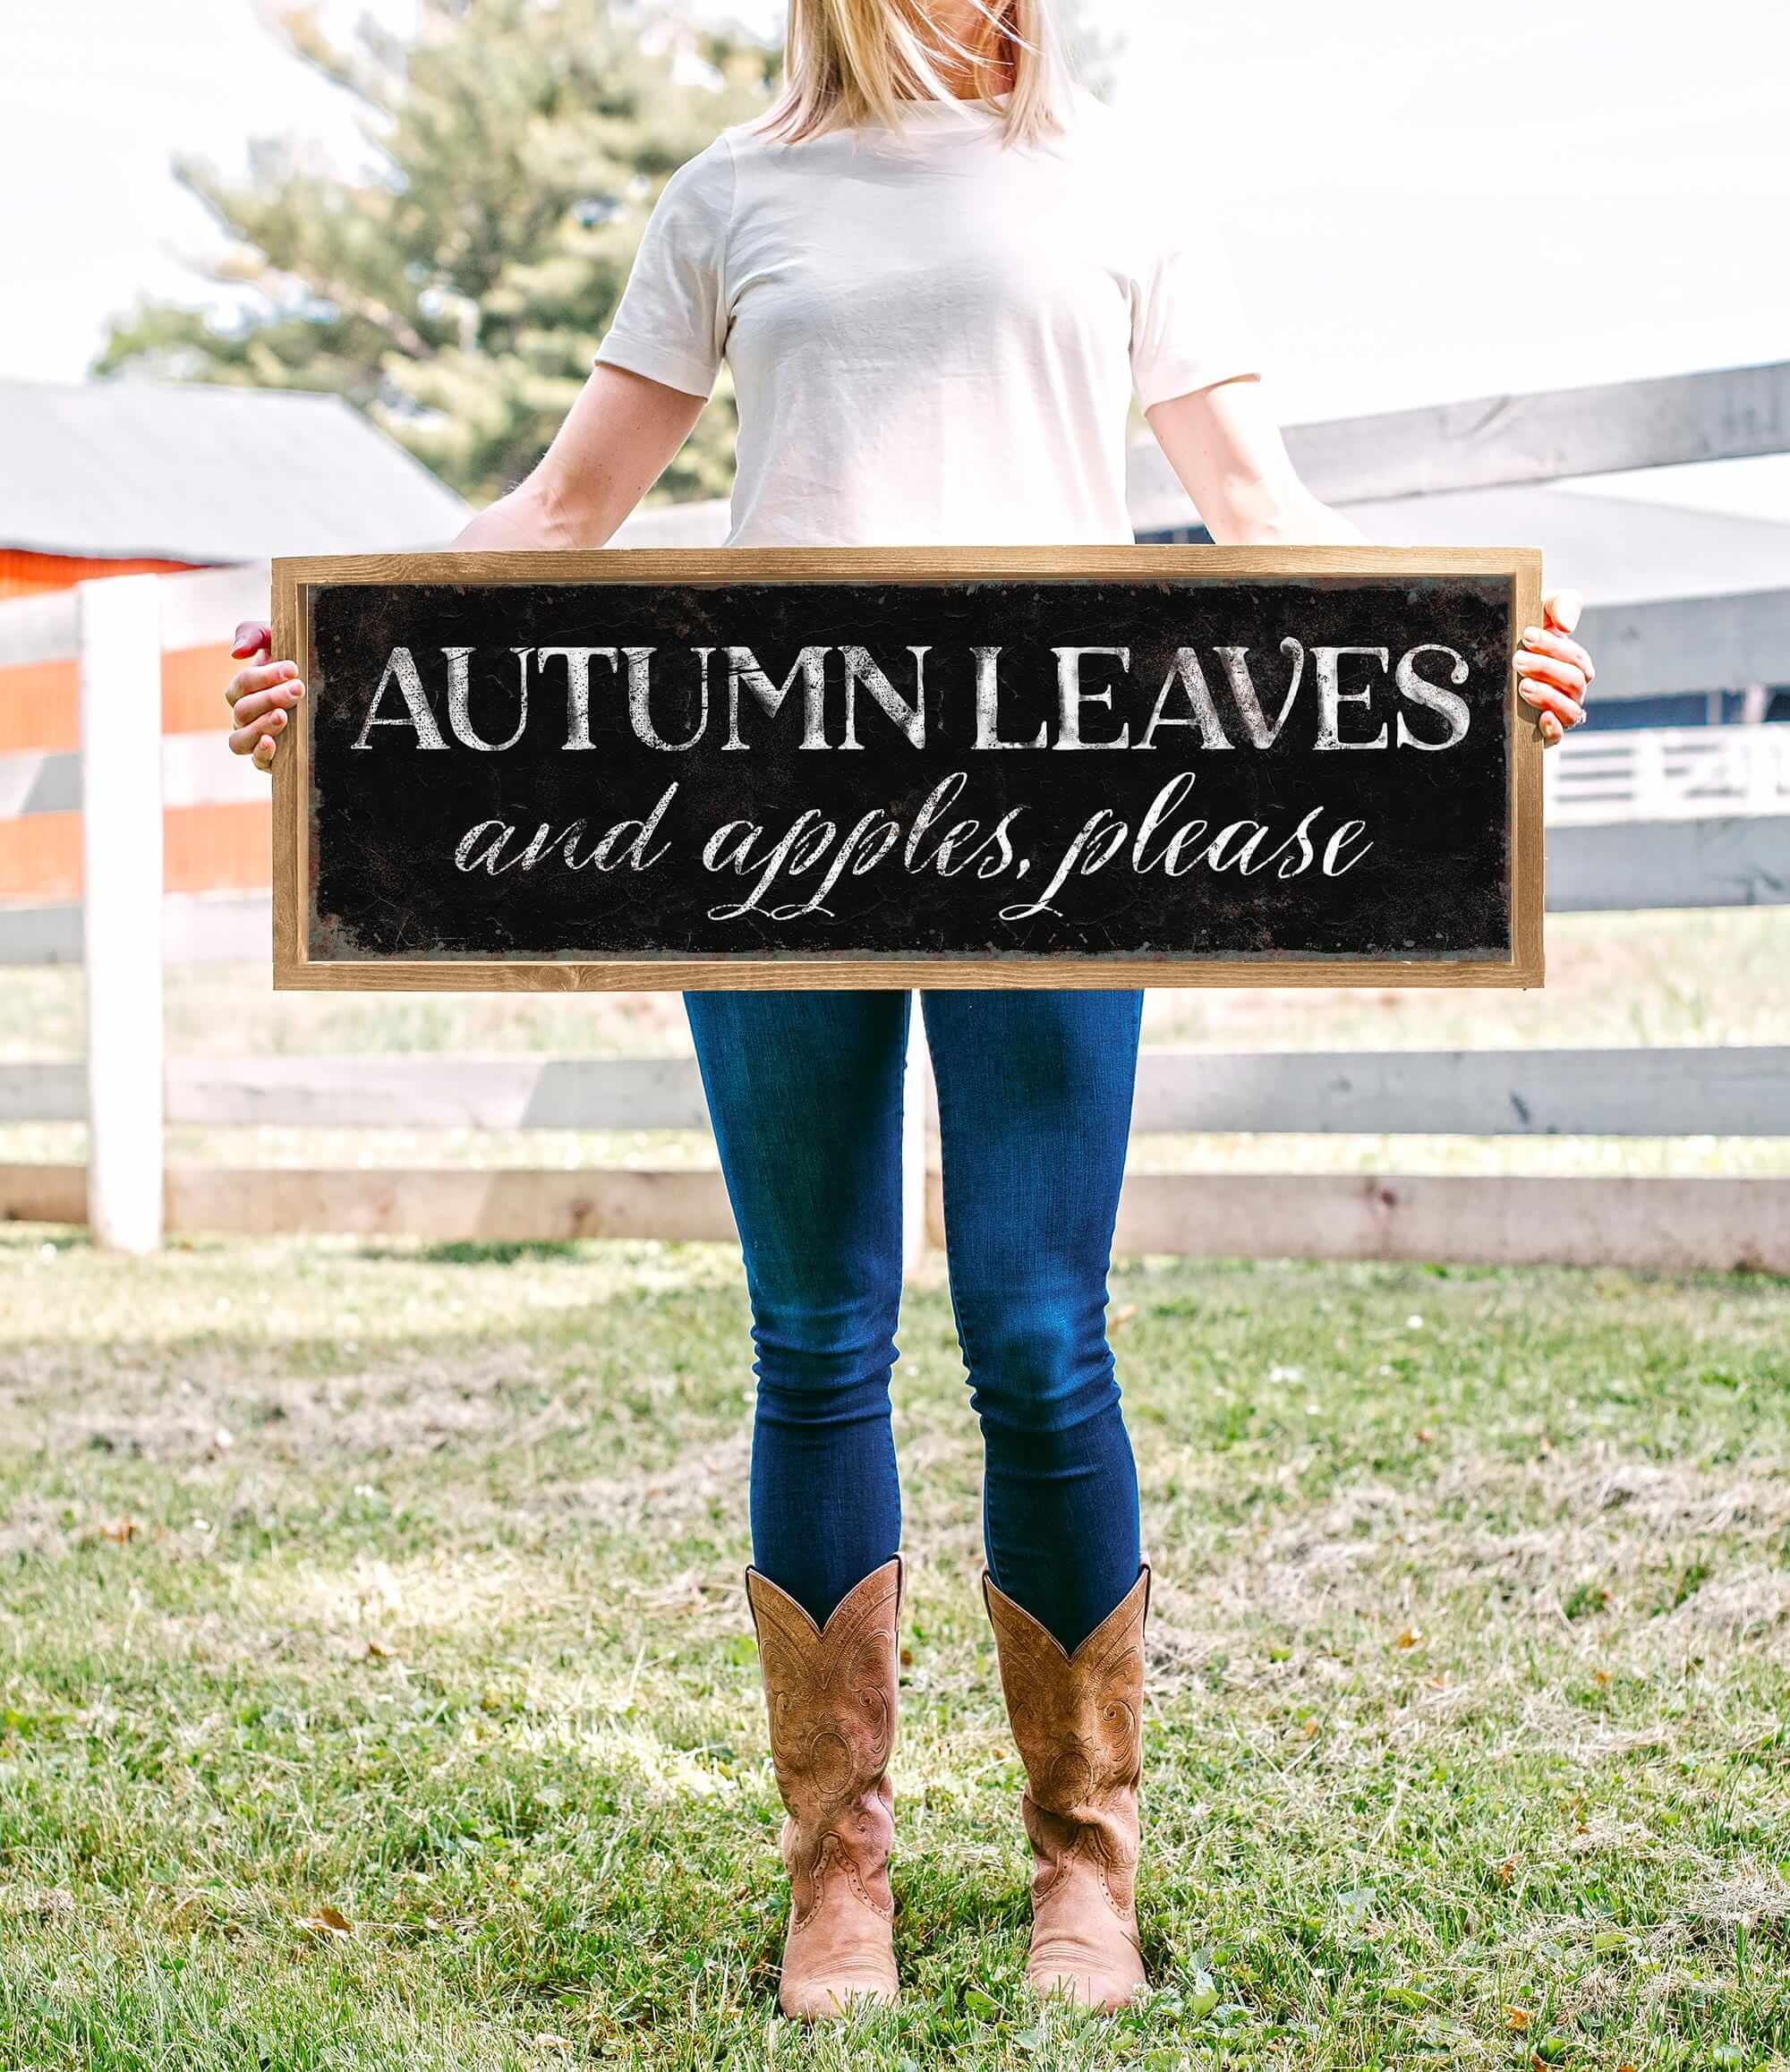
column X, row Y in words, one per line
column 457, row 290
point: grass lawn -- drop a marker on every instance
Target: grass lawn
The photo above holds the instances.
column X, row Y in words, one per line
column 377, row 1692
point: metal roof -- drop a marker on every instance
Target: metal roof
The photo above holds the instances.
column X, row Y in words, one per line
column 1616, row 549
column 129, row 469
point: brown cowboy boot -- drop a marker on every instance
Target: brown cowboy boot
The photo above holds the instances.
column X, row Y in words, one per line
column 830, row 1695
column 1077, row 1720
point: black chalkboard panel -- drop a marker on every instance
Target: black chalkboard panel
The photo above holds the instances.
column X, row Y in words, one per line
column 1171, row 766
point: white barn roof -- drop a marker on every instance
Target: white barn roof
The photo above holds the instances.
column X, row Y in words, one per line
column 127, row 469
column 1616, row 549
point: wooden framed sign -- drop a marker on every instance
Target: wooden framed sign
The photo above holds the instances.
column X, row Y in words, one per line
column 966, row 767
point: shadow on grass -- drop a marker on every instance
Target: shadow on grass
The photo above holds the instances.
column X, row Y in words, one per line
column 471, row 1252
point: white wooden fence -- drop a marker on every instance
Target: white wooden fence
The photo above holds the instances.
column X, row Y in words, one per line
column 1665, row 1224
column 1681, row 818
column 1653, row 773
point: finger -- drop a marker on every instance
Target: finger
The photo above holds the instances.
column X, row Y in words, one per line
column 1543, row 640
column 1545, row 667
column 1550, row 697
column 1561, row 608
column 1551, row 731
column 258, row 679
column 245, row 739
column 264, row 753
column 283, row 698
column 253, row 637
column 1545, row 698
column 251, row 707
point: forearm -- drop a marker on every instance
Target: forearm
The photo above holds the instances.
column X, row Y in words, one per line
column 518, row 520
column 1226, row 447
column 1291, row 517
column 612, row 447
column 539, row 513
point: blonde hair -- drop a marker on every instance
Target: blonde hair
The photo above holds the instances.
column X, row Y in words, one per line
column 847, row 62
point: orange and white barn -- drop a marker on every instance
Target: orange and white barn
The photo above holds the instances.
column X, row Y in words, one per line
column 122, row 477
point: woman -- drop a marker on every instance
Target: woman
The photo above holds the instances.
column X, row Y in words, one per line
column 938, row 276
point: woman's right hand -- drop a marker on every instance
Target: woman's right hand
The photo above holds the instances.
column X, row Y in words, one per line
column 259, row 698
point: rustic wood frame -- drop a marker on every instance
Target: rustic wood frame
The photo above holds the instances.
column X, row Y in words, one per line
column 293, row 579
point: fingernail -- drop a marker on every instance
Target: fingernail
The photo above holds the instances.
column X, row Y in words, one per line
column 1531, row 633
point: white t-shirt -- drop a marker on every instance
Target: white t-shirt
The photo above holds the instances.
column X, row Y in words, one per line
column 933, row 337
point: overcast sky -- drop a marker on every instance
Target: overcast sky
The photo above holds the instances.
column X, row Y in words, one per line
column 1426, row 201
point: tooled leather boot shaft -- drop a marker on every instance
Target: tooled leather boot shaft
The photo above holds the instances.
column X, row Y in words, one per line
column 1078, row 1723
column 830, row 1698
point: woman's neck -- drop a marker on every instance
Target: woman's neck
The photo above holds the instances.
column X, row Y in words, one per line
column 959, row 28
column 983, row 81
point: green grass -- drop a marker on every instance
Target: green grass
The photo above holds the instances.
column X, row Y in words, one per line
column 407, row 1585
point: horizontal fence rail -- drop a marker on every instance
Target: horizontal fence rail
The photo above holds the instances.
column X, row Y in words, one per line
column 1664, row 1225
column 1638, row 866
column 1742, row 1091
column 197, row 770
column 1663, row 646
column 1499, row 441
column 433, row 1204
column 197, row 928
column 1652, row 1226
column 457, row 1092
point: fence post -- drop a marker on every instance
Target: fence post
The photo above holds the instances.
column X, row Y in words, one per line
column 1652, row 795
column 121, row 847
column 1766, row 768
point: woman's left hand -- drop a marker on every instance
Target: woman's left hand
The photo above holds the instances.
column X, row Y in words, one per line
column 1554, row 672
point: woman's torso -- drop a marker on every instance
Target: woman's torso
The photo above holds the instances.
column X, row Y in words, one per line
column 929, row 335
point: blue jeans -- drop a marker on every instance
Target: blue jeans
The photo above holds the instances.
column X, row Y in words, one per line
column 1035, row 1104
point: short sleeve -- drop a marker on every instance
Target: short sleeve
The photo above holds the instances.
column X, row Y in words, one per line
column 1188, row 325
column 672, row 323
